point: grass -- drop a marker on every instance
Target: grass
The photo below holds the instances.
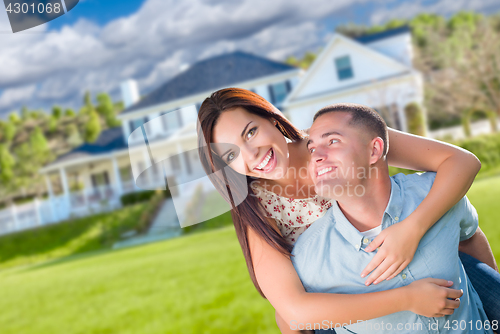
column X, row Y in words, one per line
column 193, row 284
column 69, row 237
column 485, row 195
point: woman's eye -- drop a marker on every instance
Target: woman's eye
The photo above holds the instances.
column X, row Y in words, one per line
column 230, row 157
column 311, row 150
column 251, row 132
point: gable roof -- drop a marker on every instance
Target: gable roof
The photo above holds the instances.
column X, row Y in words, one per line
column 324, row 54
column 365, row 39
column 210, row 74
column 109, row 140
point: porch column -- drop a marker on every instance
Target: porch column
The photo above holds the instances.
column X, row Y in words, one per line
column 182, row 162
column 13, row 212
column 38, row 215
column 64, row 181
column 147, row 164
column 402, row 117
column 51, row 199
column 116, row 169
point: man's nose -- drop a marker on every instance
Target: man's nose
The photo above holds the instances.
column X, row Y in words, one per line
column 318, row 155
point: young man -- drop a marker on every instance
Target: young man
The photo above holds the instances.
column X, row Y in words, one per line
column 348, row 144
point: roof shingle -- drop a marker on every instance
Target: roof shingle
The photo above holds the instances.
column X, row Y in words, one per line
column 211, row 74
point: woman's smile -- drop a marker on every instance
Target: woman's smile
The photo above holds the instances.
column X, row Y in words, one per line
column 268, row 162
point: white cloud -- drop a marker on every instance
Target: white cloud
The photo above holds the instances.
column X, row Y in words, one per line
column 151, row 44
column 12, row 96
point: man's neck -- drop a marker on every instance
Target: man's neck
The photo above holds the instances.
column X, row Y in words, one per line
column 366, row 212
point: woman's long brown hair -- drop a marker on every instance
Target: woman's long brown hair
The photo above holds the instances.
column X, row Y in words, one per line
column 249, row 213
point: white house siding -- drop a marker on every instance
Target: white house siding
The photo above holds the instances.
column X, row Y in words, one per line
column 399, row 91
column 263, row 90
column 126, row 129
column 398, row 47
column 367, row 65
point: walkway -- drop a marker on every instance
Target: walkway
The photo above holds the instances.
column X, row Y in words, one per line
column 165, row 226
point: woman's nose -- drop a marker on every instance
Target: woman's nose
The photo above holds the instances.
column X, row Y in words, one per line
column 250, row 153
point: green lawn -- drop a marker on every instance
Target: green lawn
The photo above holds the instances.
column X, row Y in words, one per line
column 194, row 284
column 485, row 196
column 68, row 238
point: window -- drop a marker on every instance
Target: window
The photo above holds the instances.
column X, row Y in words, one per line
column 137, row 123
column 344, row 68
column 99, row 179
column 74, row 182
column 279, row 91
column 171, row 120
column 390, row 114
column 175, row 162
column 126, row 173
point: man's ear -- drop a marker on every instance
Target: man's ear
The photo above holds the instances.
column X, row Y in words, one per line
column 377, row 150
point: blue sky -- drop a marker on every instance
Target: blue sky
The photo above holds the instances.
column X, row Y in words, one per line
column 100, row 12
column 101, row 43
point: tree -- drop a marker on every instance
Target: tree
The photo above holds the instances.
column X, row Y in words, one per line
column 92, row 128
column 14, row 118
column 87, row 107
column 69, row 112
column 52, row 125
column 9, row 131
column 106, row 109
column 469, row 78
column 416, row 119
column 305, row 62
column 73, row 136
column 56, row 112
column 25, row 114
column 39, row 147
column 7, row 162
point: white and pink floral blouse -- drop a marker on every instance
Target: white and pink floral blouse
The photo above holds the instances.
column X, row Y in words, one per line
column 293, row 216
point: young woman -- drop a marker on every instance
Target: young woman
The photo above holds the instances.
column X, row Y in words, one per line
column 272, row 165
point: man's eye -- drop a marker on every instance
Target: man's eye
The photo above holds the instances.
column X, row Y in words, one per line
column 311, row 150
column 230, row 157
column 251, row 132
column 332, row 141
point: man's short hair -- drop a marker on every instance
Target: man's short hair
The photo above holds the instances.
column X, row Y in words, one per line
column 363, row 116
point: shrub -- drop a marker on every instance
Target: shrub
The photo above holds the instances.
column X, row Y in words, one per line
column 415, row 118
column 141, row 196
column 485, row 147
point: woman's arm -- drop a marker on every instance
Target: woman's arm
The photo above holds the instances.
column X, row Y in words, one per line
column 456, row 169
column 282, row 287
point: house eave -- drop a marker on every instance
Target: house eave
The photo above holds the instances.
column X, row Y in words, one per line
column 351, row 89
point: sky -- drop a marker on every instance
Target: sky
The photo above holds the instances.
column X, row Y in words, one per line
column 101, row 43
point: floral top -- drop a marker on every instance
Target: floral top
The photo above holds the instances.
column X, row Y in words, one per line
column 293, row 216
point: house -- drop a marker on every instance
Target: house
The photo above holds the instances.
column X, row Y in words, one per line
column 156, row 143
column 157, row 128
column 374, row 70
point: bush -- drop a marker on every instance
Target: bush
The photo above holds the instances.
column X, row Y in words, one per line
column 415, row 118
column 141, row 196
column 147, row 216
column 486, row 148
